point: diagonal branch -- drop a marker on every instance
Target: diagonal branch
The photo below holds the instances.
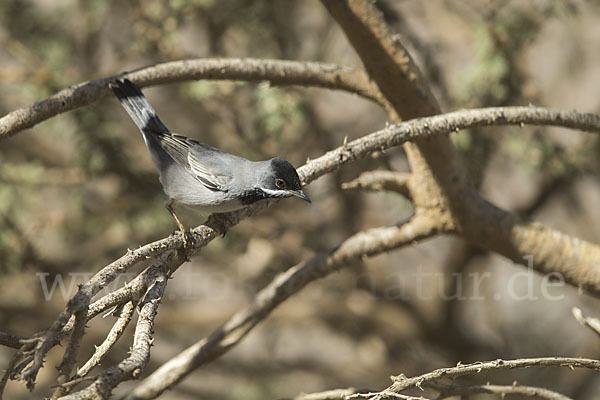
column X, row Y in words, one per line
column 132, row 366
column 70, row 356
column 590, row 322
column 113, row 336
column 277, row 72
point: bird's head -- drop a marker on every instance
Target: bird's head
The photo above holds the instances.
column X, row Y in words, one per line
column 281, row 180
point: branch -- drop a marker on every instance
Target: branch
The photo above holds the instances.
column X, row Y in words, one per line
column 592, row 323
column 478, row 221
column 367, row 243
column 70, row 356
column 384, row 395
column 402, row 383
column 445, row 391
column 132, row 366
column 426, row 127
column 335, row 394
column 113, row 336
column 376, row 181
column 502, row 390
column 51, row 337
column 387, row 62
column 277, row 72
column 439, row 181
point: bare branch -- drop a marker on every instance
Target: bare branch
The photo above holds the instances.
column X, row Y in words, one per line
column 439, row 181
column 385, row 395
column 115, row 333
column 391, row 136
column 381, row 180
column 477, row 220
column 70, row 356
column 132, row 366
column 502, row 390
column 277, row 72
column 46, row 340
column 592, row 323
column 335, row 394
column 402, row 383
column 388, row 63
column 371, row 242
column 445, row 391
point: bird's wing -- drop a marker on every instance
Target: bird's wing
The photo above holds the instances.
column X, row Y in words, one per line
column 204, row 162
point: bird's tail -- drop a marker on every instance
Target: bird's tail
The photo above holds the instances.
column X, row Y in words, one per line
column 137, row 106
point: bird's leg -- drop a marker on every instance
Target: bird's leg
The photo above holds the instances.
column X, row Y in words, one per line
column 187, row 237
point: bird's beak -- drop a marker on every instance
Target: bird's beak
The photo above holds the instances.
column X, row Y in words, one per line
column 300, row 194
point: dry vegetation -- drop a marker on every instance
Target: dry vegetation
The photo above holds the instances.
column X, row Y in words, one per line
column 435, row 242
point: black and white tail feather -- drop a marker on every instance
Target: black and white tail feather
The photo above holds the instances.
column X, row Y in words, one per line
column 137, row 106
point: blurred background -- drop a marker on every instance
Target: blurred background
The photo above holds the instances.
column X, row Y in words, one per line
column 79, row 189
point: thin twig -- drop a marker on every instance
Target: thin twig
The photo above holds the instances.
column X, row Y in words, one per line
column 381, row 180
column 385, row 395
column 74, row 382
column 402, row 383
column 502, row 390
column 335, row 394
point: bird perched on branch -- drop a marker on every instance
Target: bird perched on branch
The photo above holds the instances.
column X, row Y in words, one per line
column 201, row 176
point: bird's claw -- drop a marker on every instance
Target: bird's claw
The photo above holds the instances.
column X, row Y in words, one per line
column 188, row 243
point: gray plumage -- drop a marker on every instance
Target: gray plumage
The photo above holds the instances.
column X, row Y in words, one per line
column 198, row 175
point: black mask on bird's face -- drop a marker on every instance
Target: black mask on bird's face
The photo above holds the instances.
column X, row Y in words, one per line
column 281, row 180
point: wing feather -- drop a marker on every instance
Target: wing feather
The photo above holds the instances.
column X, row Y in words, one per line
column 185, row 151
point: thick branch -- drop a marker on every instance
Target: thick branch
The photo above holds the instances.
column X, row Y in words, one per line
column 277, row 72
column 391, row 67
column 366, row 243
column 439, row 182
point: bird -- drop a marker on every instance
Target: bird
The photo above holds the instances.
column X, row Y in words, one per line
column 201, row 176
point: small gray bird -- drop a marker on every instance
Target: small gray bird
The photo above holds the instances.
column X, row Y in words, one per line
column 200, row 176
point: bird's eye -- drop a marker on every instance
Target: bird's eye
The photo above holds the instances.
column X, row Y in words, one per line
column 280, row 183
